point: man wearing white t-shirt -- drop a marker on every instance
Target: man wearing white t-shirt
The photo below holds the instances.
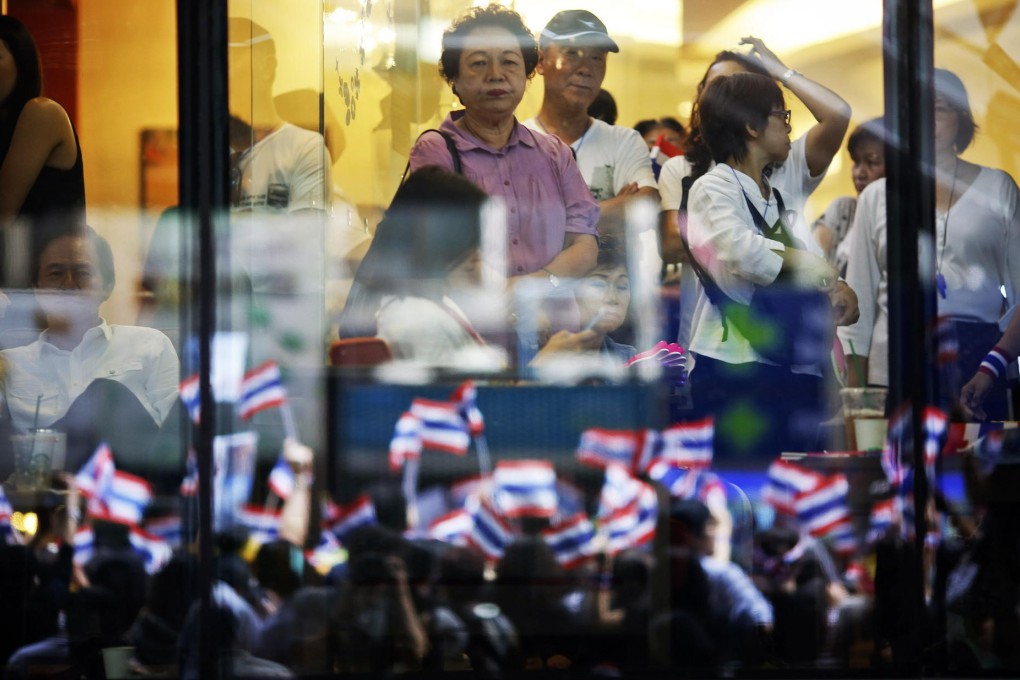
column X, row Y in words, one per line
column 613, row 160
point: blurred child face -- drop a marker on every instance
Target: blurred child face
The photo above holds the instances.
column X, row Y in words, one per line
column 604, row 296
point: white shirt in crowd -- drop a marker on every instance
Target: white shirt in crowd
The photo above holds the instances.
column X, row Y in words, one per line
column 141, row 359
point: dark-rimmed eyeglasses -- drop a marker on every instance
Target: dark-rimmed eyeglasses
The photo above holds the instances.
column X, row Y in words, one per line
column 783, row 114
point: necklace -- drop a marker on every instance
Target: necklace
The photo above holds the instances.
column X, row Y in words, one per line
column 940, row 280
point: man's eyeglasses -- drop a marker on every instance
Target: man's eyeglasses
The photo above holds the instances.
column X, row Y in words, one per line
column 784, row 114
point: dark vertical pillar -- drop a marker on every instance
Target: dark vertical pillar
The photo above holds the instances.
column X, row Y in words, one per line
column 202, row 67
column 910, row 196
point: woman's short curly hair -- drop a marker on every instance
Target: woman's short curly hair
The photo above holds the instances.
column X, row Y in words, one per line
column 482, row 17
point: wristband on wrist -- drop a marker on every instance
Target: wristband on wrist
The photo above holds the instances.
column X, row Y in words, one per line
column 995, row 362
column 787, row 74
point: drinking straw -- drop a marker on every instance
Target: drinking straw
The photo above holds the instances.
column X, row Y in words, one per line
column 594, row 320
column 855, row 364
column 35, row 420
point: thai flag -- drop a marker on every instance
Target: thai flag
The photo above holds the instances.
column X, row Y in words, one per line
column 785, row 482
column 84, row 543
column 662, row 152
column 281, row 479
column 95, row 475
column 6, row 510
column 822, row 509
column 124, row 500
column 883, row 516
column 330, row 512
column 843, row 538
column 633, row 449
column 263, row 524
column 962, row 435
column 442, row 427
column 680, row 482
column 465, row 397
column 903, row 502
column 897, row 439
column 525, row 488
column 632, row 525
column 490, row 533
column 704, row 485
column 191, row 397
column 168, row 528
column 153, row 550
column 406, row 442
column 326, row 554
column 261, row 388
column 664, row 353
column 189, row 485
column 689, row 444
column 573, row 541
column 349, row 517
column 619, row 490
column 936, row 425
column 947, row 341
column 453, row 527
column 465, row 492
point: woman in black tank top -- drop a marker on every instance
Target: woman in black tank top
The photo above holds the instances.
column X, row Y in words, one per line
column 40, row 158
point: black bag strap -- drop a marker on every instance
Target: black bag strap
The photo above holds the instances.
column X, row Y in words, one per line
column 450, row 145
column 712, row 290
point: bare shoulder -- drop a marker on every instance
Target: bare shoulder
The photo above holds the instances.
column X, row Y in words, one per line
column 44, row 112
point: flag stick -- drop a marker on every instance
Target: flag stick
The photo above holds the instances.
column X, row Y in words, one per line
column 410, row 487
column 484, row 460
column 289, row 428
column 271, row 502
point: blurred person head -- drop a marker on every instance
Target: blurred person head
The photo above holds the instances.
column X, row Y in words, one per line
column 603, row 296
column 574, row 47
column 604, row 107
column 274, row 567
column 461, row 573
column 744, row 109
column 20, row 71
column 530, row 562
column 73, row 274
column 667, row 127
column 954, row 120
column 430, row 237
column 631, row 579
column 123, row 575
column 488, row 54
column 691, row 526
column 866, row 145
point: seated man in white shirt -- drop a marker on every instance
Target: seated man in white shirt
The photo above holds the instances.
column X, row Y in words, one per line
column 92, row 380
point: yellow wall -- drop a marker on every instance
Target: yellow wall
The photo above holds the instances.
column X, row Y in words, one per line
column 127, row 81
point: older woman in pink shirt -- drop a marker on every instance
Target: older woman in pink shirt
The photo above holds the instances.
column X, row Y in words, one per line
column 488, row 56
